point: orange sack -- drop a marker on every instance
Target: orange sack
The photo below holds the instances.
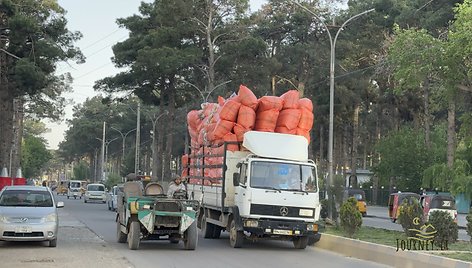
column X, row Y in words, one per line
column 305, row 103
column 209, row 132
column 230, row 110
column 266, row 120
column 289, row 118
column 306, row 120
column 184, row 160
column 270, row 103
column 247, row 97
column 193, row 119
column 231, row 137
column 291, row 99
column 285, row 130
column 222, row 128
column 246, row 117
column 304, row 133
column 239, row 132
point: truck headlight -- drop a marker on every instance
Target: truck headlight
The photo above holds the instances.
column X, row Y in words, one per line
column 50, row 218
column 251, row 223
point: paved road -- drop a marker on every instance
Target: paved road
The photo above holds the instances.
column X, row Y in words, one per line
column 209, row 253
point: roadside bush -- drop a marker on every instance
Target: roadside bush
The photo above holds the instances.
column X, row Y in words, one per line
column 446, row 228
column 351, row 218
column 469, row 225
column 409, row 210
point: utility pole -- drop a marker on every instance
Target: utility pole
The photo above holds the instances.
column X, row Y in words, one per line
column 138, row 133
column 102, row 158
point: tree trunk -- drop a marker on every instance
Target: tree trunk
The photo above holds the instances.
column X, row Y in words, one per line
column 170, row 128
column 451, row 131
column 6, row 134
column 355, row 130
column 427, row 123
column 211, row 50
column 18, row 115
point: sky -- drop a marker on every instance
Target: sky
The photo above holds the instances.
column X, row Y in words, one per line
column 96, row 20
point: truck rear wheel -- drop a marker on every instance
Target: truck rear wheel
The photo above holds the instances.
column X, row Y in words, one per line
column 236, row 237
column 207, row 228
column 134, row 235
column 300, row 242
column 191, row 237
column 120, row 236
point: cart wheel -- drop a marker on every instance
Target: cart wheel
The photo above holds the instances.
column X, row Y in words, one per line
column 236, row 237
column 134, row 235
column 207, row 228
column 191, row 237
column 120, row 236
column 300, row 242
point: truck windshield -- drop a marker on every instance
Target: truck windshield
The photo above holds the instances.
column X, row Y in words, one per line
column 283, row 176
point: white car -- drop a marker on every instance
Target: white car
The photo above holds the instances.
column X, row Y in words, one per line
column 112, row 197
column 95, row 192
column 28, row 213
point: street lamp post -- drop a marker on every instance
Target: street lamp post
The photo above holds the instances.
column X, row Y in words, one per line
column 123, row 136
column 331, row 92
column 105, row 156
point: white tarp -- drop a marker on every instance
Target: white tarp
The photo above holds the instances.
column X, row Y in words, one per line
column 276, row 145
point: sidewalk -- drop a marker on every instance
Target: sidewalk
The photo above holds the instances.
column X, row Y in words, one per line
column 382, row 212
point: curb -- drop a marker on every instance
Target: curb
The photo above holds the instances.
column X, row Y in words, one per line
column 385, row 254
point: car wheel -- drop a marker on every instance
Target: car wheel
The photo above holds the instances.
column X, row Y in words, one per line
column 53, row 243
column 85, row 200
column 236, row 237
column 120, row 236
column 75, row 197
column 134, row 235
column 191, row 237
column 67, row 197
column 300, row 242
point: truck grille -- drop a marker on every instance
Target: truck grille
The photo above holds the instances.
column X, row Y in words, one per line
column 281, row 211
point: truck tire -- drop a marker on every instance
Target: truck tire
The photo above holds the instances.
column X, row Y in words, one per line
column 134, row 234
column 191, row 237
column 300, row 242
column 207, row 228
column 120, row 236
column 216, row 232
column 236, row 238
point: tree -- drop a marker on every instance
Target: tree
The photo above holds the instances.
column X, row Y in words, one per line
column 34, row 39
column 35, row 156
column 81, row 171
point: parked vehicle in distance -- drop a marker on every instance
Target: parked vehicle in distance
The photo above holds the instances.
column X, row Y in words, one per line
column 359, row 195
column 112, row 196
column 95, row 192
column 438, row 202
column 73, row 190
column 395, row 200
column 28, row 213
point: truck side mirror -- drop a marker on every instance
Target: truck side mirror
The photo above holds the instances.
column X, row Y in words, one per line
column 236, row 179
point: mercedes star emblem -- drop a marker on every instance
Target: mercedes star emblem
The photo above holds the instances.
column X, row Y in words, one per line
column 24, row 219
column 284, row 211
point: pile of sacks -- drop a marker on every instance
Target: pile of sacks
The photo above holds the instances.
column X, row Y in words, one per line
column 228, row 120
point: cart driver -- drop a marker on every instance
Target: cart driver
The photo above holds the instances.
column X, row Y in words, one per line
column 175, row 185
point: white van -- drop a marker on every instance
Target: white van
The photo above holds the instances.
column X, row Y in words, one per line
column 74, row 189
column 95, row 192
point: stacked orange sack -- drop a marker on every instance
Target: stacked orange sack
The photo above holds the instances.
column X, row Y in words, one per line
column 228, row 120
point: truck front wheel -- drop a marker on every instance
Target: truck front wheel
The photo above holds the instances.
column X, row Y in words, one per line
column 236, row 237
column 300, row 242
column 191, row 237
column 134, row 235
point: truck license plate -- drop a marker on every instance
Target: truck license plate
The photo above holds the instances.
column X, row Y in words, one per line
column 23, row 229
column 282, row 232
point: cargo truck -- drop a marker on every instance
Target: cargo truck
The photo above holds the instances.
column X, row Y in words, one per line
column 266, row 190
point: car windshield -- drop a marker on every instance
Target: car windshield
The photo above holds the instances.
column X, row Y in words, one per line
column 26, row 198
column 283, row 176
column 75, row 185
column 96, row 188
